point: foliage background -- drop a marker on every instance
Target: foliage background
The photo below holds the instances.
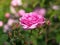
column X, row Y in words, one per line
column 54, row 28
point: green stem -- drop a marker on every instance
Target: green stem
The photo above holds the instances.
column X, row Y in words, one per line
column 46, row 36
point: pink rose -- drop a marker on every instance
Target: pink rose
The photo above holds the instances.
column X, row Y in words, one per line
column 31, row 20
column 16, row 2
column 7, row 15
column 6, row 28
column 1, row 23
column 10, row 22
column 19, row 2
column 21, row 12
column 41, row 11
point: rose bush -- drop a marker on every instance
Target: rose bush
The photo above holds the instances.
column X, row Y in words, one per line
column 29, row 22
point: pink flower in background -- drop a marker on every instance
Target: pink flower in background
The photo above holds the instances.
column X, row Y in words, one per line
column 7, row 15
column 31, row 20
column 10, row 22
column 1, row 23
column 41, row 11
column 16, row 2
column 6, row 28
column 19, row 2
column 55, row 7
column 21, row 12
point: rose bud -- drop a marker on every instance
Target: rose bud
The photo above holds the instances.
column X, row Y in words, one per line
column 7, row 15
column 48, row 22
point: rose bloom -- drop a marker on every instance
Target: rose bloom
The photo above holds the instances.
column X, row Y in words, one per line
column 41, row 11
column 16, row 2
column 6, row 28
column 21, row 12
column 13, row 3
column 10, row 22
column 19, row 2
column 1, row 23
column 31, row 20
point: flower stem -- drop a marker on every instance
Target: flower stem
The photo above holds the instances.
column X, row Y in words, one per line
column 46, row 35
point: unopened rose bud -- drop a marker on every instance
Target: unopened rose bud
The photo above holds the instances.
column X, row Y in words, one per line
column 48, row 22
column 7, row 15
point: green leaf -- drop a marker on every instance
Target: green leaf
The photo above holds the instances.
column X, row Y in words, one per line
column 58, row 37
column 3, row 38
